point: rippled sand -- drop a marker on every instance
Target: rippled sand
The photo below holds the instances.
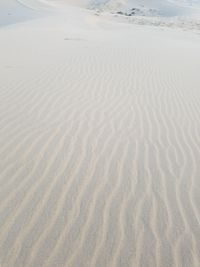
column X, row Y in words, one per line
column 99, row 143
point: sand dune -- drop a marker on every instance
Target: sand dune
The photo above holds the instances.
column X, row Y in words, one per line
column 99, row 142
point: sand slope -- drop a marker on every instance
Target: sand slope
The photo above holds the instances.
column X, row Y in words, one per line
column 99, row 144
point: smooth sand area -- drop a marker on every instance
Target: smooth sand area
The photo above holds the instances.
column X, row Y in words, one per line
column 99, row 141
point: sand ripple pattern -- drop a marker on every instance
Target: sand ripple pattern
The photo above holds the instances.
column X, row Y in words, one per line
column 99, row 157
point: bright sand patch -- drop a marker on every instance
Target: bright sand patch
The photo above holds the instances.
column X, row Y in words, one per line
column 99, row 143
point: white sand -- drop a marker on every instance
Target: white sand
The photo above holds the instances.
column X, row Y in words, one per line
column 99, row 140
